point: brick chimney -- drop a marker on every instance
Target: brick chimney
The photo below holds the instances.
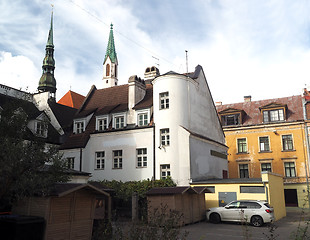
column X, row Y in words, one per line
column 247, row 98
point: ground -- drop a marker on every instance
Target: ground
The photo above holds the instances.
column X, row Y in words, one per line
column 231, row 231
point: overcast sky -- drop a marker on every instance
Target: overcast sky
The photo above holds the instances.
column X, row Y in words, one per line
column 256, row 47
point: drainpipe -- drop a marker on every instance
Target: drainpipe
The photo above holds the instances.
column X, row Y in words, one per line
column 154, row 163
column 81, row 157
column 307, row 147
column 266, row 190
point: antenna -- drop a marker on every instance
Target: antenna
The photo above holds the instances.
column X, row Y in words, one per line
column 186, row 61
column 157, row 64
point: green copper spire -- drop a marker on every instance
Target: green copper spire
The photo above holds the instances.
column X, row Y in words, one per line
column 47, row 81
column 111, row 48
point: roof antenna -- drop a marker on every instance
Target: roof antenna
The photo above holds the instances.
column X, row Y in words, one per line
column 186, row 61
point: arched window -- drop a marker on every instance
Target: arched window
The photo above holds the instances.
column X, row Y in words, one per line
column 115, row 71
column 107, row 70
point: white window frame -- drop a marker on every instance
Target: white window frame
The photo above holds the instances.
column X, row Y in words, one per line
column 117, row 159
column 102, row 118
column 164, row 137
column 116, row 116
column 262, row 149
column 70, row 162
column 100, row 160
column 43, row 130
column 164, row 97
column 141, row 157
column 75, row 126
column 143, row 112
column 165, row 171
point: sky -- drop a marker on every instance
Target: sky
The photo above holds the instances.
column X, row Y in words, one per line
column 256, row 47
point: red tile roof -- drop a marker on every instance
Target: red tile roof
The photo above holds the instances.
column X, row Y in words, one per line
column 252, row 110
column 72, row 99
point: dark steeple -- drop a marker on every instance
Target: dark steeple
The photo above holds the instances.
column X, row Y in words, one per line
column 47, row 81
column 111, row 48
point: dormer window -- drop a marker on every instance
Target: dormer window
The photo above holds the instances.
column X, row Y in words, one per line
column 273, row 115
column 40, row 129
column 142, row 117
column 102, row 123
column 119, row 121
column 79, row 126
column 231, row 116
column 228, row 120
column 273, row 112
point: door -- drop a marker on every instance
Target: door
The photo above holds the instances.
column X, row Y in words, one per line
column 291, row 199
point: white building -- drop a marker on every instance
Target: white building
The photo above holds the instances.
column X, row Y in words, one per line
column 165, row 125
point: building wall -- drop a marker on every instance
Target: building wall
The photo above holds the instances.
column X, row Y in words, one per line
column 191, row 107
column 203, row 164
column 128, row 142
column 276, row 156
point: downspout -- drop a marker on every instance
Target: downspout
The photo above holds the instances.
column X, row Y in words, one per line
column 154, row 163
column 266, row 190
column 81, row 158
column 307, row 147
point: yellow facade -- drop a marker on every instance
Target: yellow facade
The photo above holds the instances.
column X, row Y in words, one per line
column 273, row 192
column 269, row 135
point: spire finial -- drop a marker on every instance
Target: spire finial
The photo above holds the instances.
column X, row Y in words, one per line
column 111, row 26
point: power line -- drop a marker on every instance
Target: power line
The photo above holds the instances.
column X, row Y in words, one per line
column 123, row 35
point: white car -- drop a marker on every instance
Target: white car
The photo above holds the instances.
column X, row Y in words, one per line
column 251, row 211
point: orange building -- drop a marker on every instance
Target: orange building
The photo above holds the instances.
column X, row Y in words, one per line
column 269, row 135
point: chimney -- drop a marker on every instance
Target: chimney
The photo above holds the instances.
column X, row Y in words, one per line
column 150, row 73
column 247, row 98
column 136, row 92
column 218, row 103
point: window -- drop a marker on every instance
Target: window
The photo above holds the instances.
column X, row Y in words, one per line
column 117, row 159
column 228, row 120
column 41, row 129
column 164, row 171
column 242, row 148
column 266, row 167
column 164, row 137
column 79, row 127
column 164, row 100
column 287, row 142
column 99, row 160
column 244, row 170
column 70, row 162
column 141, row 157
column 289, row 169
column 102, row 124
column 264, row 144
column 142, row 119
column 119, row 122
column 273, row 115
column 252, row 189
column 107, row 70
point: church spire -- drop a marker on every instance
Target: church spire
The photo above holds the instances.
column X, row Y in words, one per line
column 110, row 64
column 47, row 81
column 111, row 47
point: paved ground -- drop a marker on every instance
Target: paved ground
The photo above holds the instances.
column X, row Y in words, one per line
column 284, row 228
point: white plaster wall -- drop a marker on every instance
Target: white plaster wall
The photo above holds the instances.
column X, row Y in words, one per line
column 203, row 116
column 75, row 153
column 203, row 165
column 190, row 106
column 128, row 142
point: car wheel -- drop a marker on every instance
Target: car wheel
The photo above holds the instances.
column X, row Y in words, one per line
column 257, row 221
column 215, row 218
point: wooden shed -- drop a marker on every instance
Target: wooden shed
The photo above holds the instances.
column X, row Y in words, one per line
column 69, row 210
column 188, row 201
